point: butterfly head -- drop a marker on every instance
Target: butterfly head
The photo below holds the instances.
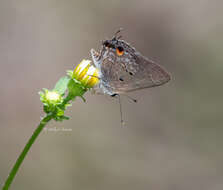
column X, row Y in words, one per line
column 113, row 49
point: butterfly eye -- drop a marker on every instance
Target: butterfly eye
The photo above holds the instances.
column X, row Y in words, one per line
column 107, row 44
column 119, row 51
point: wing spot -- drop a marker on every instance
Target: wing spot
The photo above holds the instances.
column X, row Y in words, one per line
column 130, row 73
column 121, row 79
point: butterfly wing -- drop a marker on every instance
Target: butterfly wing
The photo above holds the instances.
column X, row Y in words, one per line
column 130, row 74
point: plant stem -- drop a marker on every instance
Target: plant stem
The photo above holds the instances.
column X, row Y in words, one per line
column 26, row 149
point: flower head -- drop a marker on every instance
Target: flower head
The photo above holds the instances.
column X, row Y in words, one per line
column 86, row 73
column 51, row 97
column 52, row 102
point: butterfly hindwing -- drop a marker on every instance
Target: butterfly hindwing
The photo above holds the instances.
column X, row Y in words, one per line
column 133, row 73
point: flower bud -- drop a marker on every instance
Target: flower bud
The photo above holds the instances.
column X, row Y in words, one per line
column 50, row 98
column 53, row 97
column 86, row 73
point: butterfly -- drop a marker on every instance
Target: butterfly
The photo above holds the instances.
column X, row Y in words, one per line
column 123, row 69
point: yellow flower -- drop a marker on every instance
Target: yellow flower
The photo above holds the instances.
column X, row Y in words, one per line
column 86, row 73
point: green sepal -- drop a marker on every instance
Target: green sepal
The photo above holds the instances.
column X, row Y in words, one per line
column 45, row 108
column 61, row 118
column 65, row 117
column 75, row 89
column 59, row 112
column 70, row 73
column 82, row 97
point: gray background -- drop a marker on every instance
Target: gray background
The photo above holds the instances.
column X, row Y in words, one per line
column 173, row 138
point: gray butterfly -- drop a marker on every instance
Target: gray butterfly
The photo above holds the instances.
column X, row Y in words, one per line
column 123, row 69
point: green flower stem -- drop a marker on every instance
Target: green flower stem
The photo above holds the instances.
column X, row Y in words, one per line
column 54, row 106
column 26, row 149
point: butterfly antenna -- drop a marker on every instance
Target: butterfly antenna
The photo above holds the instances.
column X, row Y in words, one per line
column 116, row 34
column 119, row 37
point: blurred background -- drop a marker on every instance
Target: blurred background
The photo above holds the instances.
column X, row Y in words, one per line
column 173, row 135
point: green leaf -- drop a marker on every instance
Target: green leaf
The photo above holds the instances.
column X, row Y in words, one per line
column 61, row 85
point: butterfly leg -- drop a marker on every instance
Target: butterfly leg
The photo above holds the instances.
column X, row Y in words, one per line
column 113, row 95
column 120, row 107
column 132, row 99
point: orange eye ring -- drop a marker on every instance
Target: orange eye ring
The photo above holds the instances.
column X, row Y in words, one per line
column 119, row 51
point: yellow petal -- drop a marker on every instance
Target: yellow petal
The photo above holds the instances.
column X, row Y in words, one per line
column 86, row 73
